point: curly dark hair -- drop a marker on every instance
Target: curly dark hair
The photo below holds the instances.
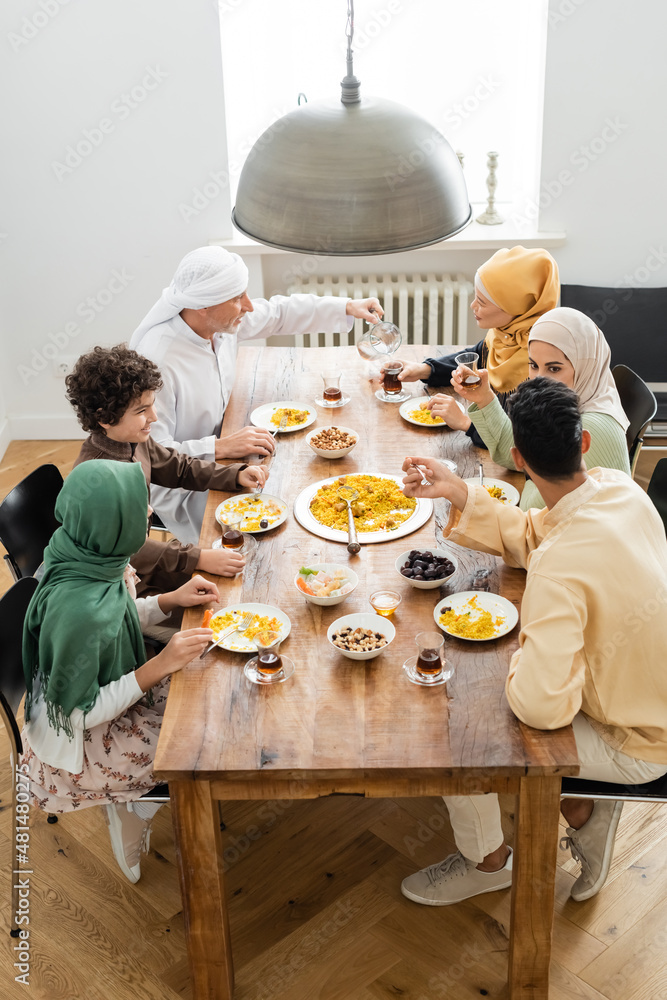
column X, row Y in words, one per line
column 104, row 382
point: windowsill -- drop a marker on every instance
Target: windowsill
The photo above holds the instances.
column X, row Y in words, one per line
column 473, row 237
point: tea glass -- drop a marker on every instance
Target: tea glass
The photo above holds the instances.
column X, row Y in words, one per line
column 231, row 529
column 469, row 359
column 392, row 390
column 429, row 667
column 332, row 394
column 269, row 666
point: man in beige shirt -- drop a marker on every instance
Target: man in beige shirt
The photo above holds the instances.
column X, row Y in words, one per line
column 593, row 641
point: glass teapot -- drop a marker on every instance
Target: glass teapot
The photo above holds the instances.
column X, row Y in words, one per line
column 379, row 341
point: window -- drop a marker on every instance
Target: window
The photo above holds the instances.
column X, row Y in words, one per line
column 473, row 68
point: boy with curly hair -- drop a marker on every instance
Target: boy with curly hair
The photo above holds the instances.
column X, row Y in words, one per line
column 113, row 392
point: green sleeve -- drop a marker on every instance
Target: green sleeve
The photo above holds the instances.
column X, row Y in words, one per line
column 495, row 429
column 608, row 448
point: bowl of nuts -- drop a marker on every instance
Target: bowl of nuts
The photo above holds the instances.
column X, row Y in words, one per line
column 332, row 442
column 362, row 636
column 426, row 569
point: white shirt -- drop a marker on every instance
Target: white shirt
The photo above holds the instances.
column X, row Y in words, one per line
column 198, row 377
column 112, row 701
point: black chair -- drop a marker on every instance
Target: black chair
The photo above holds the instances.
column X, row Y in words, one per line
column 27, row 520
column 157, row 524
column 640, row 407
column 580, row 788
column 633, row 322
column 13, row 606
column 657, row 489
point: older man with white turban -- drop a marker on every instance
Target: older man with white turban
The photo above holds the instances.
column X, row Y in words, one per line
column 191, row 334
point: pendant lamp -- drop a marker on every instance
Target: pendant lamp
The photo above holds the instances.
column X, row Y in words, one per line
column 354, row 177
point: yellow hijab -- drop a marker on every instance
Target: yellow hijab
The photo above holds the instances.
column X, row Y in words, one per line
column 523, row 283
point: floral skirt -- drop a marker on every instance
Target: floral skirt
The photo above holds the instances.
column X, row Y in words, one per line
column 117, row 761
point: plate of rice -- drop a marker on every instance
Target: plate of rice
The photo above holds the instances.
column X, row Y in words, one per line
column 299, row 415
column 475, row 615
column 415, row 412
column 253, row 507
column 265, row 617
column 383, row 511
column 498, row 489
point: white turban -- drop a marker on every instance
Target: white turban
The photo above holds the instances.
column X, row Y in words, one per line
column 205, row 277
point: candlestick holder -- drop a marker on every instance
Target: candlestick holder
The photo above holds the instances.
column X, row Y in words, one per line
column 490, row 216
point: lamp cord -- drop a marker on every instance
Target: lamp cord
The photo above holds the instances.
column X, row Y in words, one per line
column 350, row 84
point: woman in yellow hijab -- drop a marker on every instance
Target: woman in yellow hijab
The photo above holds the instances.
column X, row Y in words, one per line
column 522, row 284
column 512, row 290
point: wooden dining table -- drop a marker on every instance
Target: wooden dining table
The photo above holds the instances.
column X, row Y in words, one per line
column 339, row 726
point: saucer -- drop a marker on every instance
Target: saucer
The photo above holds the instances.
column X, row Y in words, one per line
column 333, row 404
column 410, row 667
column 254, row 675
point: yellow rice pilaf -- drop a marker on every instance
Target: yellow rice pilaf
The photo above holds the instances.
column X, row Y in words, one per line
column 259, row 623
column 425, row 417
column 384, row 505
column 294, row 416
column 476, row 623
column 496, row 492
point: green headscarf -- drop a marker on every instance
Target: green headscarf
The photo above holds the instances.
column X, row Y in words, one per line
column 81, row 629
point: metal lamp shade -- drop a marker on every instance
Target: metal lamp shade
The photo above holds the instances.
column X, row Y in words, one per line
column 351, row 180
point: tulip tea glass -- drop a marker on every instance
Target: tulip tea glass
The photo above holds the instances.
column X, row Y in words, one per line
column 469, row 359
column 269, row 666
column 392, row 390
column 429, row 667
column 332, row 394
column 233, row 538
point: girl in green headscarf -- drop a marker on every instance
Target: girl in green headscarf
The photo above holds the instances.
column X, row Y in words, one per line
column 93, row 706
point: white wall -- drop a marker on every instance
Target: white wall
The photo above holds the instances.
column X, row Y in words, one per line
column 113, row 226
column 144, row 78
column 604, row 136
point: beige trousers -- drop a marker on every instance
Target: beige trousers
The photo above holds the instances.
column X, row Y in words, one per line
column 475, row 819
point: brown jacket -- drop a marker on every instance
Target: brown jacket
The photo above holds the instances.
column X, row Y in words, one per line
column 163, row 566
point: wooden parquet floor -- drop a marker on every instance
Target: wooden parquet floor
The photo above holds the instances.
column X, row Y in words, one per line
column 315, row 905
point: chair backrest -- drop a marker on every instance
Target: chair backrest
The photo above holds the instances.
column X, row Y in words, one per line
column 657, row 489
column 13, row 606
column 639, row 404
column 27, row 519
column 633, row 322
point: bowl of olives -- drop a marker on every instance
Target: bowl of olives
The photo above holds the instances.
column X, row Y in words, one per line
column 426, row 569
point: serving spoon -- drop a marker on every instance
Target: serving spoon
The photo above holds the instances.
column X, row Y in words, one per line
column 347, row 495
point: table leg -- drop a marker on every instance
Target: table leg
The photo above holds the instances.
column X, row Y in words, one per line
column 532, row 908
column 199, row 854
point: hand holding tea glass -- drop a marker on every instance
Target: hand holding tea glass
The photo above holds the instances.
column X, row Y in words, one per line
column 391, row 390
column 463, row 380
column 269, row 666
column 429, row 667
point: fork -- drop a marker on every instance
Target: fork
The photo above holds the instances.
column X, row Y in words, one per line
column 237, row 627
column 281, row 427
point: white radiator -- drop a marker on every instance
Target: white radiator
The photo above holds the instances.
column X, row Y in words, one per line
column 428, row 309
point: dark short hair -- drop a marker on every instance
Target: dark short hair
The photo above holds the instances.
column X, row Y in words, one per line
column 547, row 427
column 104, row 383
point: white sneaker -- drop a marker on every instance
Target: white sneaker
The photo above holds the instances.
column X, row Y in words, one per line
column 130, row 835
column 454, row 879
column 593, row 845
